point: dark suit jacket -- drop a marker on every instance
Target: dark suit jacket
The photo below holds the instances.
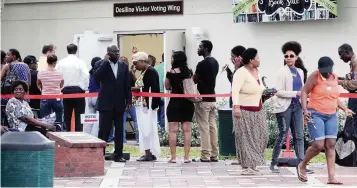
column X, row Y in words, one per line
column 113, row 93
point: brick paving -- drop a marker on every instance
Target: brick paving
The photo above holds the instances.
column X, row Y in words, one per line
column 221, row 174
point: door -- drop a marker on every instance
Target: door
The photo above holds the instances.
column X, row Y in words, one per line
column 173, row 41
column 92, row 45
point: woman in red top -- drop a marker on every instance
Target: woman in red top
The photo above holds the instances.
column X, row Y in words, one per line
column 322, row 85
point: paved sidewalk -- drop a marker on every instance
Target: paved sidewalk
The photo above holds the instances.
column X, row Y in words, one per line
column 221, row 174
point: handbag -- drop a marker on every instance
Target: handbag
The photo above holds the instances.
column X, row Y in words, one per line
column 148, row 128
column 346, row 145
column 189, row 88
column 10, row 78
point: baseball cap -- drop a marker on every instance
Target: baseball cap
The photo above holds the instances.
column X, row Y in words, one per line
column 140, row 56
column 29, row 60
column 325, row 65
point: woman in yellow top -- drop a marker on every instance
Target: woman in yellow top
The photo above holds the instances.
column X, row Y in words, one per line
column 250, row 126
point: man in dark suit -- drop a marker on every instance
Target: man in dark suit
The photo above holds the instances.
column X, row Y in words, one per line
column 113, row 99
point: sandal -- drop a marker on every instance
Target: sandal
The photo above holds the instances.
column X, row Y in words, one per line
column 334, row 182
column 248, row 172
column 302, row 178
column 255, row 169
column 172, row 161
column 187, row 161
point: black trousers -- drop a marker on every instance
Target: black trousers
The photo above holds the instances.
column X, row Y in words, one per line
column 78, row 105
column 106, row 119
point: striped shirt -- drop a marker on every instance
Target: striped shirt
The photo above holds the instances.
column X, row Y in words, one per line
column 51, row 82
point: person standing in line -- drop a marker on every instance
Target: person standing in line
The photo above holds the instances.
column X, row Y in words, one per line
column 287, row 106
column 114, row 98
column 14, row 67
column 93, row 87
column 50, row 82
column 349, row 83
column 31, row 61
column 161, row 112
column 76, row 80
column 250, row 126
column 3, row 62
column 179, row 110
column 236, row 59
column 132, row 110
column 206, row 110
column 147, row 81
column 320, row 112
column 47, row 50
column 345, row 51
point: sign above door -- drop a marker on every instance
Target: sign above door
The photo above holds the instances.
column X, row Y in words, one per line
column 148, row 8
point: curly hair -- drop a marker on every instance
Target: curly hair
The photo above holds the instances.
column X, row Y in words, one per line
column 293, row 46
column 17, row 83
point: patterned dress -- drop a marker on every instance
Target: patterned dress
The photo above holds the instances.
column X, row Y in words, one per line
column 21, row 70
column 139, row 101
column 16, row 109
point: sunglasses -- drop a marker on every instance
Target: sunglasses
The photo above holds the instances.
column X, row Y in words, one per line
column 291, row 56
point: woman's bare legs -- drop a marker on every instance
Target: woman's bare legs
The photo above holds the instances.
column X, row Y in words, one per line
column 330, row 158
column 311, row 152
column 186, row 129
column 173, row 129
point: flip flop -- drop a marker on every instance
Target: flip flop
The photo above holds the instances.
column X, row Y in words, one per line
column 334, row 182
column 187, row 161
column 302, row 178
column 172, row 161
column 248, row 172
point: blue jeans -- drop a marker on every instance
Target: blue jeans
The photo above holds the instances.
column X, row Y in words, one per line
column 322, row 125
column 10, row 130
column 161, row 114
column 47, row 106
column 292, row 118
column 132, row 113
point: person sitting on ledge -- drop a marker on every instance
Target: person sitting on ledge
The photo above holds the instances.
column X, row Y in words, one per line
column 19, row 112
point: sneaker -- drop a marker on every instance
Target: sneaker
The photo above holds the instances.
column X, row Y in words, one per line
column 274, row 168
column 200, row 160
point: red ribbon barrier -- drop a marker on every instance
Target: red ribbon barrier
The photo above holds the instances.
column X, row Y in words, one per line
column 142, row 94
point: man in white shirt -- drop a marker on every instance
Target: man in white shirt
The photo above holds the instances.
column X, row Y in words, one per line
column 76, row 80
column 47, row 50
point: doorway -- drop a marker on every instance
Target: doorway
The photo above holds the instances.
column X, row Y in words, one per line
column 154, row 43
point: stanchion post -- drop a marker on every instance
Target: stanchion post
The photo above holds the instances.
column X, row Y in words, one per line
column 73, row 122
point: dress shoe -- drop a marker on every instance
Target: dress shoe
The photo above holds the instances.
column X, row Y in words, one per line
column 119, row 160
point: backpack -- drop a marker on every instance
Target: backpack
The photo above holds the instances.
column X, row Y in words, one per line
column 10, row 78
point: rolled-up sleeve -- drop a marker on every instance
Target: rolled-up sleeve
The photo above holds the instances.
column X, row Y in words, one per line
column 237, row 83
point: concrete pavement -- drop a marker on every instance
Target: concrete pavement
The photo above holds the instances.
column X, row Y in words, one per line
column 221, row 174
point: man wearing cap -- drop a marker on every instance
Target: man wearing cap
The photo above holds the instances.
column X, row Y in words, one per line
column 113, row 99
column 31, row 61
column 323, row 91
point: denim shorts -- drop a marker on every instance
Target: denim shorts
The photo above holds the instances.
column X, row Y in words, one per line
column 322, row 125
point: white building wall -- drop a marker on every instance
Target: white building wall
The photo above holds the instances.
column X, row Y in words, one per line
column 28, row 26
